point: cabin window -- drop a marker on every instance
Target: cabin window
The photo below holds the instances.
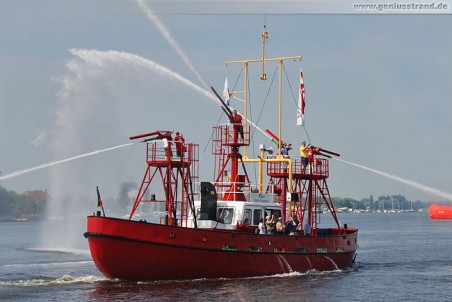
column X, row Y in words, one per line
column 247, row 216
column 276, row 214
column 257, row 216
column 225, row 215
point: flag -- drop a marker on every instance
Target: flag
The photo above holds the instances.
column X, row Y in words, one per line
column 226, row 92
column 301, row 101
column 99, row 200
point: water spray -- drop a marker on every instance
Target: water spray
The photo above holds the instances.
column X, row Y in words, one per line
column 402, row 180
column 17, row 173
column 167, row 35
column 95, row 57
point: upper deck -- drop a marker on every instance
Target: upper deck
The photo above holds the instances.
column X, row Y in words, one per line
column 158, row 154
column 317, row 168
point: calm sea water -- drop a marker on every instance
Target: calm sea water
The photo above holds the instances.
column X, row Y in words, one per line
column 402, row 257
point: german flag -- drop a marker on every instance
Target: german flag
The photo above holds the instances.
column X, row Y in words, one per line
column 99, row 200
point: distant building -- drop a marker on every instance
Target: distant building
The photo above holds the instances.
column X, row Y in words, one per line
column 37, row 195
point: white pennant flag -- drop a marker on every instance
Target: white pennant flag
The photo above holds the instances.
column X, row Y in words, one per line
column 226, row 92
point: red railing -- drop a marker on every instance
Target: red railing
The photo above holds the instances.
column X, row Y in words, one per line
column 157, row 153
column 318, row 167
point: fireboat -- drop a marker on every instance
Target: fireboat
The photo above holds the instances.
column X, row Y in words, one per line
column 214, row 229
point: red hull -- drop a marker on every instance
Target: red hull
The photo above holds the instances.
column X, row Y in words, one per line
column 134, row 250
column 440, row 212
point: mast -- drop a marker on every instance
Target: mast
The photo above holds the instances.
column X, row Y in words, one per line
column 287, row 175
column 264, row 38
column 263, row 60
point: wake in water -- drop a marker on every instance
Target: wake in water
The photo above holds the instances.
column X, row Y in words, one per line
column 402, row 180
column 64, row 280
column 46, row 264
column 70, row 280
column 60, row 250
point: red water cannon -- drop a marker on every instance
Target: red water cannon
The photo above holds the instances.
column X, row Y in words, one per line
column 159, row 134
column 224, row 106
column 320, row 151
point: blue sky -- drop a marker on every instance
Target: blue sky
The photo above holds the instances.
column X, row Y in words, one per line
column 378, row 90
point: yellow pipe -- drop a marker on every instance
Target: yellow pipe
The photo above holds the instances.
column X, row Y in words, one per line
column 265, row 60
column 261, row 160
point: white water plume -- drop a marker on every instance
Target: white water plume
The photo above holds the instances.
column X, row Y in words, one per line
column 101, row 58
column 402, row 180
column 167, row 35
column 107, row 96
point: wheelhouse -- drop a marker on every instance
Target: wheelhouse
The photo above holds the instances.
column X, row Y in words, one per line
column 229, row 214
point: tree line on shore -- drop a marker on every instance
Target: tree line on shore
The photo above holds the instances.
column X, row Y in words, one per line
column 384, row 202
column 32, row 206
column 17, row 206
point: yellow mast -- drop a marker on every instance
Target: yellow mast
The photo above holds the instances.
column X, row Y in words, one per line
column 262, row 158
column 264, row 37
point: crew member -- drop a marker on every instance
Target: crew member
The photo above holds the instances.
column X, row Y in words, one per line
column 167, row 138
column 285, row 150
column 237, row 123
column 304, row 155
column 180, row 144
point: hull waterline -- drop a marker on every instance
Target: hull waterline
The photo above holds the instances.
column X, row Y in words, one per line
column 144, row 251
